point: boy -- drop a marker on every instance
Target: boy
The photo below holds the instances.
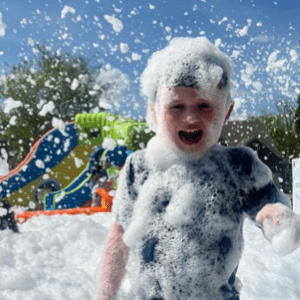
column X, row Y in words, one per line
column 181, row 203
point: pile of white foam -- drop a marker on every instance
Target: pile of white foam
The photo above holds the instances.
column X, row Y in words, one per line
column 57, row 258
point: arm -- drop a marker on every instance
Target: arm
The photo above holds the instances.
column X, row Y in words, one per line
column 263, row 203
column 112, row 265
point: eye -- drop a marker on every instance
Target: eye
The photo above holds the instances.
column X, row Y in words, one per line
column 177, row 107
column 203, row 106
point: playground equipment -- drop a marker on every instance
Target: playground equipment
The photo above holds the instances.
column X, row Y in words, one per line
column 78, row 192
column 47, row 156
column 106, row 207
column 53, row 162
column 59, row 157
column 96, row 127
column 93, row 129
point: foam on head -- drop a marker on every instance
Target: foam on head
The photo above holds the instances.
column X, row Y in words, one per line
column 189, row 62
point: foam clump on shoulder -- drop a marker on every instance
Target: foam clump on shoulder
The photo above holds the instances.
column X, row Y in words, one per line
column 182, row 62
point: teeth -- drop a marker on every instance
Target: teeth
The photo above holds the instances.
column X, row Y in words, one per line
column 192, row 130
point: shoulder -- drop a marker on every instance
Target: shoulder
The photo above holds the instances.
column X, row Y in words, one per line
column 135, row 164
column 245, row 166
column 241, row 159
column 136, row 159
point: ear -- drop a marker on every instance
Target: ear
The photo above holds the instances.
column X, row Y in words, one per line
column 152, row 110
column 228, row 113
column 151, row 116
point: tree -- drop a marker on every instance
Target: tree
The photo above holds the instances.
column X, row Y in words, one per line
column 282, row 128
column 36, row 91
column 284, row 131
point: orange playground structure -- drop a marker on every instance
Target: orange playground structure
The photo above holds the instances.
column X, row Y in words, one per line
column 106, row 207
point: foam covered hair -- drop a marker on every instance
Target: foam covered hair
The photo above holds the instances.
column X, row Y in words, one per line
column 189, row 62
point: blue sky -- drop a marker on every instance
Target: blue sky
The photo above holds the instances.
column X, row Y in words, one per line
column 260, row 36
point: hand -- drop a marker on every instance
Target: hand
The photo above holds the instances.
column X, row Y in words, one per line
column 273, row 217
column 281, row 227
column 276, row 213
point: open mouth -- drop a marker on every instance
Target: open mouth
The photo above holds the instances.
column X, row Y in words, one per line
column 190, row 137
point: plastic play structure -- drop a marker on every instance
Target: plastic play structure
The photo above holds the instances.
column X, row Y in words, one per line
column 59, row 161
column 49, row 155
column 106, row 207
column 93, row 129
column 78, row 192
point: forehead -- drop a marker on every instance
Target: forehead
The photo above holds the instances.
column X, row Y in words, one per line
column 168, row 95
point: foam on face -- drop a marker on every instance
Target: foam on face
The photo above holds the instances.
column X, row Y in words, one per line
column 188, row 62
column 162, row 153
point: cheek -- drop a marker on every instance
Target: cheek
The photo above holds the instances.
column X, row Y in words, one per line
column 208, row 117
column 170, row 123
column 216, row 117
column 168, row 118
column 170, row 126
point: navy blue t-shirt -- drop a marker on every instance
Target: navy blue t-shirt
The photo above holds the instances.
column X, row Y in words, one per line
column 184, row 224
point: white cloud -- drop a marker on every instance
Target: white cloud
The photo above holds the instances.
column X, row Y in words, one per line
column 261, row 39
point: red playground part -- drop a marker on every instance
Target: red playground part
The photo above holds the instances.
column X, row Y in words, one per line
column 106, row 207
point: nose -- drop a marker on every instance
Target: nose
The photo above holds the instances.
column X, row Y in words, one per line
column 191, row 117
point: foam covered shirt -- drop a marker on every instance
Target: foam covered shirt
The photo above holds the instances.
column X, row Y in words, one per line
column 184, row 223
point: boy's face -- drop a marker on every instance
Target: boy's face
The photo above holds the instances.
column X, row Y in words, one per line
column 192, row 124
